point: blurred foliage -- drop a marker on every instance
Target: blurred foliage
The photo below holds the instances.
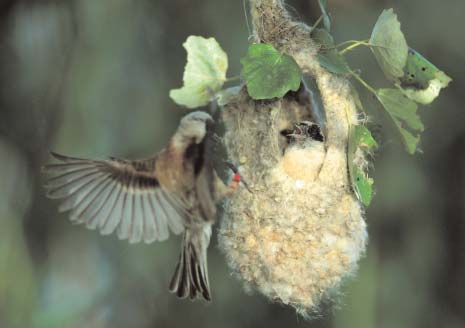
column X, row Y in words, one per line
column 91, row 78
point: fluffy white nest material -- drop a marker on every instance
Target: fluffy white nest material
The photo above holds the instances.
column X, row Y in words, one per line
column 301, row 232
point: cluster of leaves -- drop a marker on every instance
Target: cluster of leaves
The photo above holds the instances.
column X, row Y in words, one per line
column 415, row 79
column 268, row 73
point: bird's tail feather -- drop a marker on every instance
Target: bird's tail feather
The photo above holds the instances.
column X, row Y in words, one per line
column 191, row 275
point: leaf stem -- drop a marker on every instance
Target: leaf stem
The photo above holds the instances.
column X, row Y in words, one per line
column 355, row 45
column 349, row 42
column 318, row 21
column 233, row 79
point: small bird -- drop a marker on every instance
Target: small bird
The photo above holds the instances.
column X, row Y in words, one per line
column 142, row 200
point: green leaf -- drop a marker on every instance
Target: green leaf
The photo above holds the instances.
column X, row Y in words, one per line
column 363, row 186
column 360, row 138
column 326, row 18
column 204, row 74
column 323, row 38
column 328, row 56
column 363, row 137
column 269, row 73
column 334, row 62
column 410, row 140
column 389, row 45
column 422, row 81
column 403, row 111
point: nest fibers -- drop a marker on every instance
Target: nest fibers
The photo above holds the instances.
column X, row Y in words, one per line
column 301, row 232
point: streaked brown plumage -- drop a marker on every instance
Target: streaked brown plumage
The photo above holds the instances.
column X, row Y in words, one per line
column 143, row 200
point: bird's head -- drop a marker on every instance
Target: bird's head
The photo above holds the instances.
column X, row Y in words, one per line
column 194, row 126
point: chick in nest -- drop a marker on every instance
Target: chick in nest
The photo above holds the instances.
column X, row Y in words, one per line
column 305, row 153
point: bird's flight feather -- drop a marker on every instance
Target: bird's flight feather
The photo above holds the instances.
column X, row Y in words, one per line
column 116, row 195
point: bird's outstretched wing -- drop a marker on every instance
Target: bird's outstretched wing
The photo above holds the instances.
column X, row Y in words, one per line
column 114, row 194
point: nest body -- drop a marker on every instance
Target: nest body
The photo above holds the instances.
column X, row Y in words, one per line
column 301, row 232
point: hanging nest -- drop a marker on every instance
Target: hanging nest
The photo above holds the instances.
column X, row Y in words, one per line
column 300, row 232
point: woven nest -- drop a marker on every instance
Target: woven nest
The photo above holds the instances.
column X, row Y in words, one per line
column 300, row 232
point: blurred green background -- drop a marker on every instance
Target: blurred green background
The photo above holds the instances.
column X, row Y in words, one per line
column 91, row 78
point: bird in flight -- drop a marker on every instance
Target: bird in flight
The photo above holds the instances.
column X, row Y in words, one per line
column 143, row 200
